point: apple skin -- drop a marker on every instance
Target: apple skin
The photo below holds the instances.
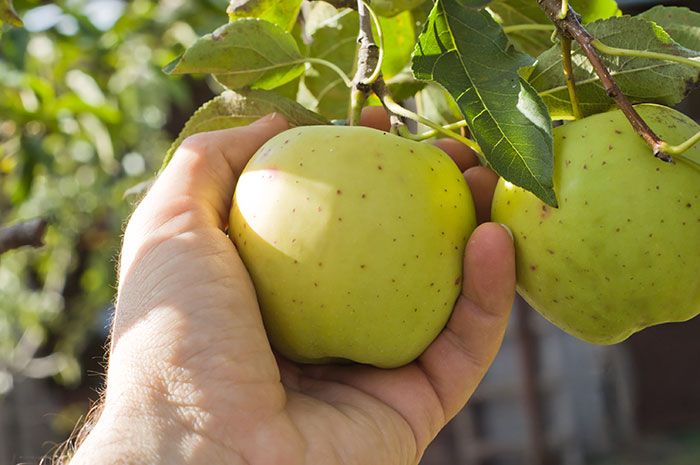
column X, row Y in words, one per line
column 622, row 250
column 354, row 240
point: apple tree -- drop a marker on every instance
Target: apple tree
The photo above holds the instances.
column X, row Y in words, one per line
column 538, row 89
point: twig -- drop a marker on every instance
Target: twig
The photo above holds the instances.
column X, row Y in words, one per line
column 368, row 77
column 381, row 90
column 570, row 26
column 20, row 234
column 368, row 54
column 569, row 73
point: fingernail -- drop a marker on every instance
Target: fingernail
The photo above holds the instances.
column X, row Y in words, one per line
column 264, row 119
column 510, row 233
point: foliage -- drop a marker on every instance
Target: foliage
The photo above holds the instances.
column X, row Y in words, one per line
column 507, row 100
column 83, row 114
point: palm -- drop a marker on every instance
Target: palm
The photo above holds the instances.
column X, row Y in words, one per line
column 321, row 412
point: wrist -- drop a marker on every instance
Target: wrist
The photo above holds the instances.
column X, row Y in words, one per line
column 136, row 430
column 124, row 436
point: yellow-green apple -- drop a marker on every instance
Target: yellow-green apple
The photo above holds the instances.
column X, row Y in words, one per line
column 353, row 238
column 622, row 250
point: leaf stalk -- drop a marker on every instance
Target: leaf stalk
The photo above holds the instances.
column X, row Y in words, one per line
column 569, row 73
column 615, row 51
column 394, row 107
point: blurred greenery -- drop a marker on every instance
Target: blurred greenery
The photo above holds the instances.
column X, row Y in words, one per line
column 85, row 114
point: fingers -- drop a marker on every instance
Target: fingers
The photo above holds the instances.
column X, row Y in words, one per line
column 196, row 188
column 457, row 360
column 375, row 117
column 482, row 183
column 481, row 180
column 206, row 165
column 462, row 155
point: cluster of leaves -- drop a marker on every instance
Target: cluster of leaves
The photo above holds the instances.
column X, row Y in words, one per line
column 495, row 59
column 83, row 112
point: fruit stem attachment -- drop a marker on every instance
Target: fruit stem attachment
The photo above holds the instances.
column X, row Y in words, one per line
column 569, row 73
column 570, row 26
column 682, row 147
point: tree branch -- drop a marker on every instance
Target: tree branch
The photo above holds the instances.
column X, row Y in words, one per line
column 368, row 54
column 570, row 26
column 368, row 78
column 343, row 3
column 20, row 234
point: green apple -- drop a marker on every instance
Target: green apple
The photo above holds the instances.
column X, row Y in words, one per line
column 353, row 238
column 393, row 7
column 622, row 250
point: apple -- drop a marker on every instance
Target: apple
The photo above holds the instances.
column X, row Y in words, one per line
column 353, row 238
column 622, row 250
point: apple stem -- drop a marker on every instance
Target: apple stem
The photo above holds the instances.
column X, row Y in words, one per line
column 357, row 101
column 682, row 147
column 570, row 26
column 569, row 73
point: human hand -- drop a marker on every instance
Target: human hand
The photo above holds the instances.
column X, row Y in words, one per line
column 192, row 377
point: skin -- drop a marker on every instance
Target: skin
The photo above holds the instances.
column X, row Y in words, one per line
column 192, row 378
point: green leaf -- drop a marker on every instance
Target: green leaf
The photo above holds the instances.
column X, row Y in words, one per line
column 333, row 36
column 399, row 39
column 245, row 52
column 593, row 10
column 232, row 109
column 475, row 3
column 523, row 12
column 682, row 24
column 527, row 12
column 404, row 86
column 282, row 13
column 8, row 14
column 640, row 79
column 437, row 105
column 505, row 115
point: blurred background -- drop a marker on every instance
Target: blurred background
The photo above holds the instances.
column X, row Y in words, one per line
column 86, row 114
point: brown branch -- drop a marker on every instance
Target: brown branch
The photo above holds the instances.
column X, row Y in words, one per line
column 343, row 3
column 570, row 26
column 367, row 62
column 368, row 54
column 29, row 233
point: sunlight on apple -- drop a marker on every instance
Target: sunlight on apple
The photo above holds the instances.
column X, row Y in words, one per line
column 287, row 192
